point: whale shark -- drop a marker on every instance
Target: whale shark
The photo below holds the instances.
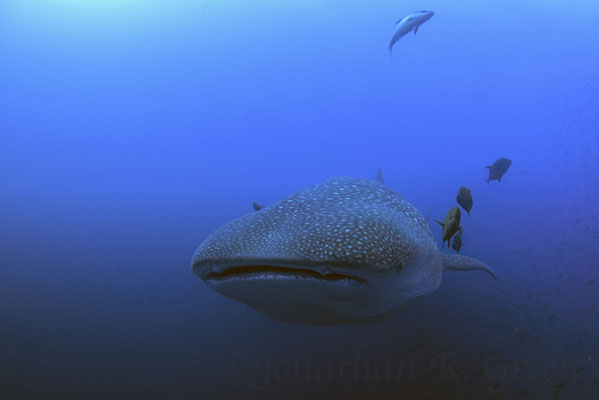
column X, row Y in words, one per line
column 408, row 24
column 345, row 251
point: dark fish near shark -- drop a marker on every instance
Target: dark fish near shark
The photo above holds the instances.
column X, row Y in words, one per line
column 450, row 225
column 346, row 251
column 257, row 207
column 457, row 241
column 464, row 199
column 498, row 169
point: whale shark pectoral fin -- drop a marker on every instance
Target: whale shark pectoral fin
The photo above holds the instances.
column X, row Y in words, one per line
column 416, row 29
column 454, row 262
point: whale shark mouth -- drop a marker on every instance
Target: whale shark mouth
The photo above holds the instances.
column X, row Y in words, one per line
column 301, row 291
column 274, row 272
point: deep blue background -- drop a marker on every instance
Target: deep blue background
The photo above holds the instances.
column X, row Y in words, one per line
column 130, row 130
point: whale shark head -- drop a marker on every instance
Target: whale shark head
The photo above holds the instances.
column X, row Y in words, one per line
column 346, row 251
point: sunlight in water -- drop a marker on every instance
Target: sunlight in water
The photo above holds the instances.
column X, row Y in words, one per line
column 89, row 11
column 107, row 17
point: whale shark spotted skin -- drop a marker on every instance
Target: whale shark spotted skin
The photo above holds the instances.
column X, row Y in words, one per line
column 346, row 251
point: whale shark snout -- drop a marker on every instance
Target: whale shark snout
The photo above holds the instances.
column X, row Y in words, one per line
column 312, row 293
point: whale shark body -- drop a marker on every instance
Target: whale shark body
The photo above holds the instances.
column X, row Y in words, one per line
column 346, row 251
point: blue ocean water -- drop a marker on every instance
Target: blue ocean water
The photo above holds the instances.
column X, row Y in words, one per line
column 130, row 130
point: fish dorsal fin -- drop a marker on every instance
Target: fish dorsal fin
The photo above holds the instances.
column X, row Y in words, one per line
column 379, row 176
column 453, row 262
